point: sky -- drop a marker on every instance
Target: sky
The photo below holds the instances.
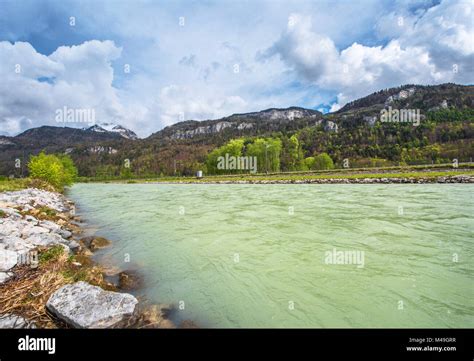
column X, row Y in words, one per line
column 149, row 64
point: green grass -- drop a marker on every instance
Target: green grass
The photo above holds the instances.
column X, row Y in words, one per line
column 51, row 254
column 283, row 177
column 415, row 175
column 15, row 184
column 414, row 171
column 75, row 275
column 48, row 211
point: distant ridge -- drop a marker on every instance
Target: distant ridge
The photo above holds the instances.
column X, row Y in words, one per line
column 353, row 131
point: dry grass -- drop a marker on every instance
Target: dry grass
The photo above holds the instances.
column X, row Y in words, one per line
column 28, row 291
column 26, row 294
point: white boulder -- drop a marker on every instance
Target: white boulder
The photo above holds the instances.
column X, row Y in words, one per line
column 8, row 260
column 82, row 305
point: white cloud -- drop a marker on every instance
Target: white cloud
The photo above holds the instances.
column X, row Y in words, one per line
column 183, row 102
column 77, row 77
column 312, row 55
column 336, row 49
column 425, row 50
column 448, row 26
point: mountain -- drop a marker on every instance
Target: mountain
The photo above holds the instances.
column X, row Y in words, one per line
column 113, row 128
column 425, row 98
column 278, row 114
column 52, row 140
column 254, row 123
column 46, row 136
column 5, row 141
column 354, row 132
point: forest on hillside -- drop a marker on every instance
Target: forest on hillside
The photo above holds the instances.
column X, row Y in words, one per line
column 441, row 136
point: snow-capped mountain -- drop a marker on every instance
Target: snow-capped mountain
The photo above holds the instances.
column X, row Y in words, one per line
column 113, row 128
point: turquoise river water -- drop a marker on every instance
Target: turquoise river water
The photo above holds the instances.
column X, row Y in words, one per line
column 270, row 255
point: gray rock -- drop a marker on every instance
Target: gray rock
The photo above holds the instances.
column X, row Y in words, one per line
column 8, row 259
column 74, row 246
column 53, row 227
column 12, row 213
column 7, row 240
column 64, row 233
column 32, row 197
column 16, row 244
column 5, row 276
column 45, row 239
column 67, row 250
column 27, row 208
column 13, row 321
column 31, row 230
column 82, row 305
column 12, row 227
column 56, row 228
column 31, row 219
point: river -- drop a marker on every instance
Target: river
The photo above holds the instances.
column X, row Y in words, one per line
column 294, row 255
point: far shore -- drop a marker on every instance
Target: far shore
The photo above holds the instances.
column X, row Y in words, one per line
column 383, row 180
column 388, row 175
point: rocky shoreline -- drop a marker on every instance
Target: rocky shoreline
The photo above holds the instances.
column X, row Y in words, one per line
column 47, row 277
column 462, row 178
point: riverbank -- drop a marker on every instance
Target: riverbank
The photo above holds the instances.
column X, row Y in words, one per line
column 465, row 175
column 48, row 278
column 372, row 179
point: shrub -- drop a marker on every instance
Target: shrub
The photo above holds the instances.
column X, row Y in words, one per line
column 310, row 162
column 70, row 170
column 323, row 161
column 57, row 170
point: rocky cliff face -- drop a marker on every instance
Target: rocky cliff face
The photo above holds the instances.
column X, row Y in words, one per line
column 113, row 128
column 207, row 129
column 238, row 122
column 279, row 114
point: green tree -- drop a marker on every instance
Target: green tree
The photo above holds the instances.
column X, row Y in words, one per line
column 310, row 162
column 323, row 161
column 57, row 170
column 293, row 153
column 70, row 171
column 126, row 173
column 267, row 151
column 233, row 148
